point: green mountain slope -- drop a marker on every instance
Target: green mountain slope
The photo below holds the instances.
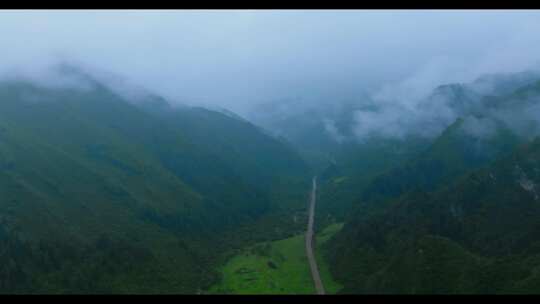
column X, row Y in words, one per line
column 429, row 225
column 100, row 194
column 453, row 153
column 264, row 163
column 478, row 235
column 484, row 129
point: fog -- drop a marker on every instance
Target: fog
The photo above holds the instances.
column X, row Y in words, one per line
column 242, row 59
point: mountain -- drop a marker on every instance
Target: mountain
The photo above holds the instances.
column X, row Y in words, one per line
column 467, row 144
column 318, row 130
column 474, row 129
column 485, row 128
column 460, row 217
column 345, row 180
column 503, row 83
column 453, row 153
column 101, row 193
column 477, row 235
column 325, row 135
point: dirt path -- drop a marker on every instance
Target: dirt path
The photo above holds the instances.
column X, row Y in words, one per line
column 309, row 241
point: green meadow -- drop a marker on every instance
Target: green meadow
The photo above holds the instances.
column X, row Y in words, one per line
column 278, row 267
column 330, row 286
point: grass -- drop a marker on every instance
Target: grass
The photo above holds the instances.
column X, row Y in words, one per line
column 339, row 180
column 279, row 267
column 330, row 286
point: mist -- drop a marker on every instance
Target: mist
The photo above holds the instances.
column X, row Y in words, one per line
column 241, row 60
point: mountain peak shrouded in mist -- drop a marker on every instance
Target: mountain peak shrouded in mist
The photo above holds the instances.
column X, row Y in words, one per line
column 237, row 58
column 249, row 62
column 368, row 116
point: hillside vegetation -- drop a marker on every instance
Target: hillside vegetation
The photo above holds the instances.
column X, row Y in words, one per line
column 461, row 217
column 104, row 194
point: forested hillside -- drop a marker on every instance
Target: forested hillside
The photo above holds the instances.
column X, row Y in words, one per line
column 99, row 193
column 477, row 235
column 460, row 217
column 486, row 128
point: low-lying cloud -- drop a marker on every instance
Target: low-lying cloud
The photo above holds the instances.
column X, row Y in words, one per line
column 241, row 60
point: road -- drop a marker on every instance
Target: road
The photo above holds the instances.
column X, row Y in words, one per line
column 309, row 240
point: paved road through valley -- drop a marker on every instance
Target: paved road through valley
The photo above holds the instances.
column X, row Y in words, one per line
column 309, row 240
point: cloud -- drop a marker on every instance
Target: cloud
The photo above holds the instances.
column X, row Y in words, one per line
column 240, row 60
column 479, row 127
column 50, row 76
column 406, row 107
column 523, row 117
column 332, row 130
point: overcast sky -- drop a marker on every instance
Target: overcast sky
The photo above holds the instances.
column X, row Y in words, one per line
column 234, row 59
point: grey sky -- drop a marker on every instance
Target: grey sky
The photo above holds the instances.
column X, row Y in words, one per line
column 235, row 59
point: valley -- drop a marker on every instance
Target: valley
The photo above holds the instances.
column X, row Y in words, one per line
column 248, row 152
column 282, row 267
column 175, row 197
column 277, row 267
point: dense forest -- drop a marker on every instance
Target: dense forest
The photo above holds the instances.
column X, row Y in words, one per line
column 104, row 194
